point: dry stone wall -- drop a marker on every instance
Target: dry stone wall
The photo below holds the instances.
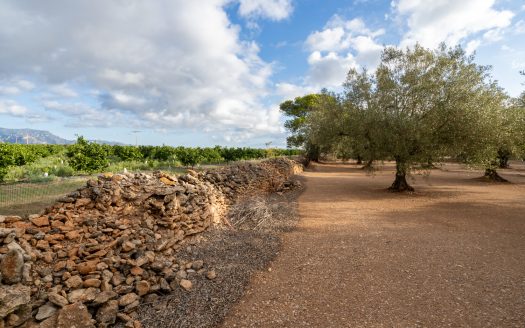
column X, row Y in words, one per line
column 92, row 257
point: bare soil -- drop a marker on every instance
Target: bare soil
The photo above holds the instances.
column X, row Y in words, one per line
column 451, row 254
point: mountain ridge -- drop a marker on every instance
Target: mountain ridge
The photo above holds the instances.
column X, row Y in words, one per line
column 33, row 136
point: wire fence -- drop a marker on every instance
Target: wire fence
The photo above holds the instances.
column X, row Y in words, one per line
column 23, row 198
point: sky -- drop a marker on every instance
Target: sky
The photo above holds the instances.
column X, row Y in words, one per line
column 213, row 72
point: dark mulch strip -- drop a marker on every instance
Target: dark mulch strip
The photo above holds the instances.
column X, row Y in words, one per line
column 235, row 256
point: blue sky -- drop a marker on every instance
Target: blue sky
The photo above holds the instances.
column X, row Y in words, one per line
column 208, row 72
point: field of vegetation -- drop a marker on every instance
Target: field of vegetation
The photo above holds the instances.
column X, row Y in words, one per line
column 33, row 176
column 36, row 163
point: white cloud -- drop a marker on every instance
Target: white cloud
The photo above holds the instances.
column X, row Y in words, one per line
column 290, row 91
column 329, row 70
column 9, row 90
column 123, row 100
column 355, row 26
column 11, row 107
column 339, row 34
column 519, row 27
column 330, row 39
column 63, row 90
column 25, row 85
column 85, row 115
column 123, row 78
column 158, row 64
column 341, row 45
column 493, row 35
column 368, row 51
column 15, row 86
column 472, row 46
column 272, row 9
column 450, row 21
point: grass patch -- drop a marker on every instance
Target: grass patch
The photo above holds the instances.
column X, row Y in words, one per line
column 31, row 197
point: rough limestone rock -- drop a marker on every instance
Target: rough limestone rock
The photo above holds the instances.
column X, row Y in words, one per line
column 75, row 316
column 112, row 244
column 11, row 267
column 107, row 314
column 45, row 311
column 12, row 297
column 186, row 284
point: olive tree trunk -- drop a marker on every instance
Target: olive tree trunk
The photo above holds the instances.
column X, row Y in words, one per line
column 369, row 165
column 503, row 162
column 400, row 183
column 492, row 175
column 503, row 158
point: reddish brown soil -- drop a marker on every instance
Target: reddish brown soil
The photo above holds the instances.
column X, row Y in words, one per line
column 452, row 254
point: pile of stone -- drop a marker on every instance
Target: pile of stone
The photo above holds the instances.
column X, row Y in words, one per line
column 94, row 256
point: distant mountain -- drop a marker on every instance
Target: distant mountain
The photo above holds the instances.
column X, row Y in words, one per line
column 31, row 136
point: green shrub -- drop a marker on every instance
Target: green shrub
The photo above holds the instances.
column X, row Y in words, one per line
column 63, row 171
column 87, row 156
column 127, row 153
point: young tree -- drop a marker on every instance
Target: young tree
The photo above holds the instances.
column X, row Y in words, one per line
column 419, row 106
column 298, row 110
column 128, row 153
column 189, row 156
column 87, row 156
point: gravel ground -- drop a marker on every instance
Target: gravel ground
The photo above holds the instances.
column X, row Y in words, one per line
column 452, row 254
column 234, row 255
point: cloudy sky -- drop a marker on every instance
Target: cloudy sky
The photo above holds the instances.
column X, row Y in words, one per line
column 208, row 72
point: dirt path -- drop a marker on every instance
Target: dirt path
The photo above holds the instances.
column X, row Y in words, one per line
column 452, row 254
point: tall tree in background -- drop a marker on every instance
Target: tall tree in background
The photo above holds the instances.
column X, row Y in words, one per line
column 518, row 106
column 298, row 111
column 507, row 123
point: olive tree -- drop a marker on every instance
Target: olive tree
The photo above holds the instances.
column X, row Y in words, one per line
column 518, row 108
column 419, row 106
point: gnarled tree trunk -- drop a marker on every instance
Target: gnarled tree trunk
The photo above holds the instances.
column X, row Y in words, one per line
column 400, row 183
column 503, row 162
column 492, row 175
column 313, row 153
column 359, row 160
column 503, row 158
column 369, row 165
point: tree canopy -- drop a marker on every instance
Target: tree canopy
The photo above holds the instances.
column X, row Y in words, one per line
column 298, row 111
column 419, row 106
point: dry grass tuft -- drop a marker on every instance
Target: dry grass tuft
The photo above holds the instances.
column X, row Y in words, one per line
column 256, row 213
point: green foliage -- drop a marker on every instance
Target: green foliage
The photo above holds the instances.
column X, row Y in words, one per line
column 211, row 155
column 52, row 166
column 518, row 125
column 298, row 112
column 17, row 155
column 33, row 162
column 163, row 153
column 87, row 156
column 419, row 106
column 127, row 153
column 62, row 171
column 189, row 156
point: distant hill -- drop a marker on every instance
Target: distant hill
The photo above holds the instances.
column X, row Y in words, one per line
column 31, row 136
